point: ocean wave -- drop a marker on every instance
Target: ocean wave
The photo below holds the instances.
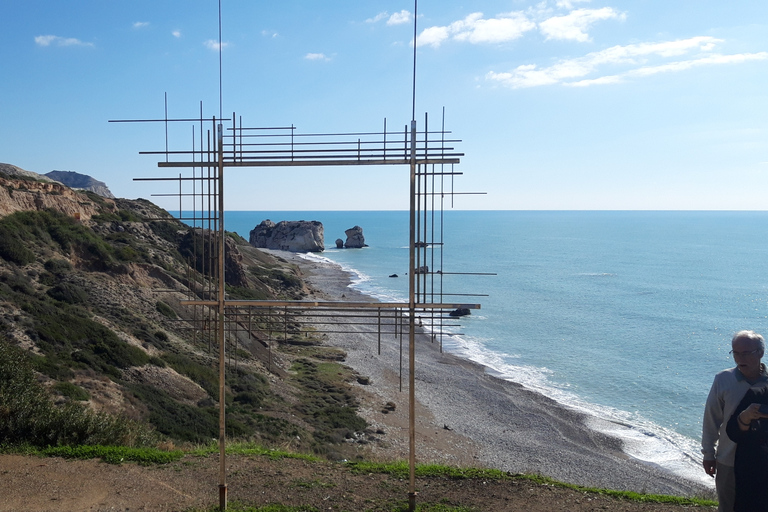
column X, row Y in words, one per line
column 642, row 439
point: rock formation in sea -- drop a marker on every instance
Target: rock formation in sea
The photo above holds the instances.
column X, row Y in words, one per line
column 79, row 181
column 339, row 243
column 355, row 238
column 295, row 236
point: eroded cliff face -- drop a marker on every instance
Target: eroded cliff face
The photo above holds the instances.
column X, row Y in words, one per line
column 79, row 181
column 25, row 194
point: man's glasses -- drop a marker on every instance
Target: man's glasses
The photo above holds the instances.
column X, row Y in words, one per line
column 746, row 353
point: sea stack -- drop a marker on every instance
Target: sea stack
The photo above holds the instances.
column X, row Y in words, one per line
column 294, row 236
column 355, row 238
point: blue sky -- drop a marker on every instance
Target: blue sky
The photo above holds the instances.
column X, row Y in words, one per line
column 560, row 104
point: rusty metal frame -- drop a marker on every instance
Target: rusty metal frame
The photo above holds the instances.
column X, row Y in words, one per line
column 431, row 158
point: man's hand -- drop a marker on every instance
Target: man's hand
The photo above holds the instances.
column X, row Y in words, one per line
column 710, row 466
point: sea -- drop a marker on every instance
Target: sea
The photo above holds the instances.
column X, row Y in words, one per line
column 625, row 315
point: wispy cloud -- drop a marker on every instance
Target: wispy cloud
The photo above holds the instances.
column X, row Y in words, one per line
column 140, row 24
column 269, row 33
column 212, row 44
column 574, row 25
column 59, row 41
column 568, row 4
column 637, row 60
column 476, row 29
column 317, row 56
column 381, row 16
column 399, row 18
column 176, row 33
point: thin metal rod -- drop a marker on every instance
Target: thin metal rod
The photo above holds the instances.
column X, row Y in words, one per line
column 222, row 344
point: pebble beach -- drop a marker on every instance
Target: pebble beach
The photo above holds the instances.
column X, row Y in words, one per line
column 467, row 417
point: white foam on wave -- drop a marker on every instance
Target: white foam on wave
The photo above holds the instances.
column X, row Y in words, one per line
column 358, row 280
column 642, row 440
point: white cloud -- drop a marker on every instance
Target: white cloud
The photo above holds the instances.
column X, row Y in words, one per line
column 644, row 59
column 176, row 33
column 212, row 44
column 378, row 17
column 399, row 18
column 59, row 41
column 476, row 30
column 574, row 25
column 316, row 56
column 568, row 4
column 141, row 24
column 269, row 33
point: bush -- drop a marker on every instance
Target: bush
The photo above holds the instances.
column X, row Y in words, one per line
column 12, row 249
column 28, row 416
column 165, row 310
column 179, row 421
column 72, row 391
column 69, row 293
column 57, row 267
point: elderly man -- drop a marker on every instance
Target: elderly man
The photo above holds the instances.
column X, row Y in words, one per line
column 727, row 391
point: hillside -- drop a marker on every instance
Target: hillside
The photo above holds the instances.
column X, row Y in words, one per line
column 90, row 292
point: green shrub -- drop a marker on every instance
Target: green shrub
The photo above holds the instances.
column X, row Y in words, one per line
column 28, row 416
column 174, row 419
column 72, row 391
column 12, row 249
column 206, row 377
column 69, row 293
column 165, row 310
column 58, row 267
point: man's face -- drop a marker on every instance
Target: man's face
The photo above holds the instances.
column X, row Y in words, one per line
column 747, row 355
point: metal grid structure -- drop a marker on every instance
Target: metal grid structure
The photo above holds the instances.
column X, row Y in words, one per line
column 219, row 321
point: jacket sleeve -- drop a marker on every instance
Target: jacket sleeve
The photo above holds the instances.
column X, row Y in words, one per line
column 732, row 428
column 713, row 419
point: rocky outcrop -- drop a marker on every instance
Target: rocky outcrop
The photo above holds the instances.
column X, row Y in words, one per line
column 17, row 172
column 355, row 238
column 339, row 243
column 81, row 182
column 195, row 248
column 22, row 190
column 295, row 236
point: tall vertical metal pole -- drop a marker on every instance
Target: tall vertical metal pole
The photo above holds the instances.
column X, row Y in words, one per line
column 221, row 333
column 411, row 329
column 411, row 294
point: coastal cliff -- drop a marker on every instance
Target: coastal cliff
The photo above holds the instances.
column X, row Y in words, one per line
column 92, row 294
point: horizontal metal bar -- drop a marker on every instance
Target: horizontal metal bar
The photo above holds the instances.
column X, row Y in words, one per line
column 191, row 120
column 318, row 163
column 330, row 305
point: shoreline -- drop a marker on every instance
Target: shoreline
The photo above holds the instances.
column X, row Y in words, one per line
column 466, row 416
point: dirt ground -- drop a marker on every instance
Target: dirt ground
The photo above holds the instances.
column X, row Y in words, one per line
column 54, row 484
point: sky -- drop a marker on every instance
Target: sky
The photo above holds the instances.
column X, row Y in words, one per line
column 559, row 104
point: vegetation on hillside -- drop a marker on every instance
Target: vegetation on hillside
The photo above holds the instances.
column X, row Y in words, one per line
column 96, row 346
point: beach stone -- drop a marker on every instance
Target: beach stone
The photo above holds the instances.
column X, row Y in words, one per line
column 355, row 238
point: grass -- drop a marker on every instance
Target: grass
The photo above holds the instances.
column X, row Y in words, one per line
column 252, row 449
column 401, row 469
column 115, row 454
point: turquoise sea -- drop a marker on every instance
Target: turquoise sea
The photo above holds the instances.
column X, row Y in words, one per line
column 626, row 315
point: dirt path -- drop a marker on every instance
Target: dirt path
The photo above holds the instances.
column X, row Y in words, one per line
column 58, row 485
